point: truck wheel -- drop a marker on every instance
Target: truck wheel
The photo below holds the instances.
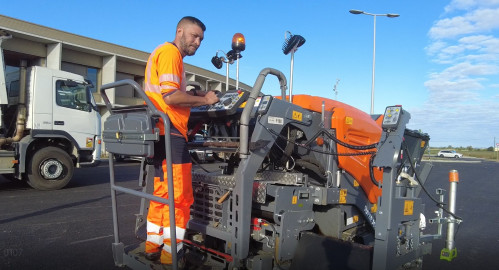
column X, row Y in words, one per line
column 50, row 168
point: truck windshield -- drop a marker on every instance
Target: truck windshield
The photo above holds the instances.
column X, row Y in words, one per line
column 73, row 95
column 93, row 104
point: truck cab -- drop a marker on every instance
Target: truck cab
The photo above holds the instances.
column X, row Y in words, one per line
column 60, row 104
column 61, row 127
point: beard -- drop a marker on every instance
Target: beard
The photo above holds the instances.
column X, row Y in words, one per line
column 188, row 50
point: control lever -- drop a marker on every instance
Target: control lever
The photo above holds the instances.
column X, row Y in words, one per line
column 227, row 101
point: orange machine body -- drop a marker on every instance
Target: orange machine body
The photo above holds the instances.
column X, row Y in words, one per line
column 353, row 127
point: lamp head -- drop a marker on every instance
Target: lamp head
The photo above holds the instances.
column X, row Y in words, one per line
column 217, row 61
column 356, row 12
column 232, row 55
column 238, row 42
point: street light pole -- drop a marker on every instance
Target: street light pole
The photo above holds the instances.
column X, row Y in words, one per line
column 389, row 15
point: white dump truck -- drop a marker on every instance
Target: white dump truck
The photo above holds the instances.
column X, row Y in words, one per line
column 49, row 124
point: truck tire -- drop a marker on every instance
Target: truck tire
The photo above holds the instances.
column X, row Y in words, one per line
column 50, row 168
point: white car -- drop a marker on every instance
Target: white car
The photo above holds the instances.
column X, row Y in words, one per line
column 449, row 153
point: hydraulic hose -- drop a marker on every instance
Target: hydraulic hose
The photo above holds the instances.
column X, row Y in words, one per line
column 351, row 146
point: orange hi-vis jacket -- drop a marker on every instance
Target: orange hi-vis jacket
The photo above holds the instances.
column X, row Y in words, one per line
column 163, row 76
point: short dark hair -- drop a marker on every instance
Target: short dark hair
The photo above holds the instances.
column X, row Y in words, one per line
column 192, row 20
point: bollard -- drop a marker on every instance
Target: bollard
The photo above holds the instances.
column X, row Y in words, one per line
column 450, row 252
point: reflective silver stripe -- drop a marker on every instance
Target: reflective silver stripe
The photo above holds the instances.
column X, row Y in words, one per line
column 152, row 88
column 154, row 233
column 168, row 248
column 168, row 77
column 156, row 239
column 151, row 227
column 148, row 86
column 180, row 233
column 168, row 87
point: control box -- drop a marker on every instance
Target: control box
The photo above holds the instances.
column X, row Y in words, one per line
column 228, row 104
column 130, row 132
column 392, row 117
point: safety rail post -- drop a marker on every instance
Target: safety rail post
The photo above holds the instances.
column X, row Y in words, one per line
column 118, row 247
column 114, row 188
column 450, row 251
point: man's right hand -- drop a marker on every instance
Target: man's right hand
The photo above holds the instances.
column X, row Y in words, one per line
column 211, row 98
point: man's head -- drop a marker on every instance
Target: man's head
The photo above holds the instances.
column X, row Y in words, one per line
column 189, row 34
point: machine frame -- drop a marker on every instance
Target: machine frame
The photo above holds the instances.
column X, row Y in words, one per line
column 287, row 211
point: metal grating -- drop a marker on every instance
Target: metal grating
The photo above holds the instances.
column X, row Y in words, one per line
column 226, row 182
column 205, row 206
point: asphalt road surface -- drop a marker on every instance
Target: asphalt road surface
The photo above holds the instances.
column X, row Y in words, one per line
column 72, row 228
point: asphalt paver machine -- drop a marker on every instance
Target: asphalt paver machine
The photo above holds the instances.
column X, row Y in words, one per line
column 308, row 184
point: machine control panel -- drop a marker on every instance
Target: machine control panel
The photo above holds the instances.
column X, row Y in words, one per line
column 228, row 104
column 264, row 104
column 392, row 117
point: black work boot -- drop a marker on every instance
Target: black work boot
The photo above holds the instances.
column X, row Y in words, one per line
column 181, row 262
column 154, row 256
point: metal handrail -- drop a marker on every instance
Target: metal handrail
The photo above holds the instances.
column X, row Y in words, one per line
column 171, row 202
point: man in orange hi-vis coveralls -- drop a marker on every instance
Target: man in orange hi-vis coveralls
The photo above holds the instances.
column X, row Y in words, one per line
column 165, row 85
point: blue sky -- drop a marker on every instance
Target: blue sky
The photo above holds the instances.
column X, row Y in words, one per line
column 439, row 59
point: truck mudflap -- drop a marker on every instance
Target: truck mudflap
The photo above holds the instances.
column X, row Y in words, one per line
column 334, row 254
column 94, row 163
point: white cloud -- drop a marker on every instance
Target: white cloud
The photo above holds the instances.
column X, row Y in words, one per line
column 467, row 4
column 473, row 48
column 463, row 105
column 451, row 92
column 447, row 28
column 435, row 47
column 464, row 125
column 451, row 50
column 482, row 43
column 477, row 21
column 464, row 70
column 459, row 83
column 460, row 4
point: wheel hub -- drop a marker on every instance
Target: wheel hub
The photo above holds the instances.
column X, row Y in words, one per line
column 51, row 169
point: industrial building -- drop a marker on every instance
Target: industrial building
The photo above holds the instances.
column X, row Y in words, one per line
column 98, row 61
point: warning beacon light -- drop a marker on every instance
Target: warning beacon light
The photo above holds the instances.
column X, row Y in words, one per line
column 238, row 42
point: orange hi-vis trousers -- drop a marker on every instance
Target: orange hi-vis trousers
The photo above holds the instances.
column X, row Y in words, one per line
column 158, row 217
